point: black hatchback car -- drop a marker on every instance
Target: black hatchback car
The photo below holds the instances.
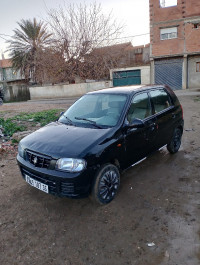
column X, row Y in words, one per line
column 101, row 134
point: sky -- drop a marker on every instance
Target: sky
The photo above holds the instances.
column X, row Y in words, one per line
column 134, row 14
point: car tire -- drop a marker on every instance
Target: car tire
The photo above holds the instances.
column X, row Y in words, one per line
column 106, row 184
column 1, row 101
column 175, row 143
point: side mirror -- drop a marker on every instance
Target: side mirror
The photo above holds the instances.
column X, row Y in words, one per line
column 136, row 123
column 60, row 115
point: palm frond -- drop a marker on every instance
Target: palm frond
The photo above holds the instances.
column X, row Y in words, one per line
column 30, row 37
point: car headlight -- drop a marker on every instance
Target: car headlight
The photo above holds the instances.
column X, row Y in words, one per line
column 21, row 150
column 70, row 164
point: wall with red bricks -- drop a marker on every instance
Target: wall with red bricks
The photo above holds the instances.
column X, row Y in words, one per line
column 188, row 40
column 167, row 13
column 192, row 38
column 192, row 8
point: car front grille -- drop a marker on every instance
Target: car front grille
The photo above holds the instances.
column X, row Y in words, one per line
column 38, row 160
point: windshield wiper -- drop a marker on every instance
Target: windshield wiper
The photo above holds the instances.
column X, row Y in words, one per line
column 68, row 119
column 92, row 122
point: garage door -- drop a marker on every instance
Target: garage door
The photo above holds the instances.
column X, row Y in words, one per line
column 125, row 78
column 169, row 72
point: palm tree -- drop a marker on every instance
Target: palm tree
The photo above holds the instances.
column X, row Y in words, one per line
column 27, row 41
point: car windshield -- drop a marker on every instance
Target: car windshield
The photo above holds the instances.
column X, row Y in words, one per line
column 96, row 110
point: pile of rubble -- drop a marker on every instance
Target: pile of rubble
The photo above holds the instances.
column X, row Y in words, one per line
column 9, row 144
column 8, row 147
column 3, row 138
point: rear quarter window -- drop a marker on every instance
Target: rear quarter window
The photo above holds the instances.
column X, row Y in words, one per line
column 161, row 100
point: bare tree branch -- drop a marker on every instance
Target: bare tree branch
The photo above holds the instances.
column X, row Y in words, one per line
column 80, row 29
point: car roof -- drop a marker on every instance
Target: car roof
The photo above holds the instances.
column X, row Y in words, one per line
column 125, row 89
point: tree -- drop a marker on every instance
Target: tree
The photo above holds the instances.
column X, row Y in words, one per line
column 67, row 49
column 51, row 66
column 77, row 31
column 30, row 39
column 98, row 63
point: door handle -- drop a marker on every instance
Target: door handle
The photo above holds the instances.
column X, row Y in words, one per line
column 152, row 126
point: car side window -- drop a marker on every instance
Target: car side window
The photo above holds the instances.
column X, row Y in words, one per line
column 140, row 108
column 161, row 100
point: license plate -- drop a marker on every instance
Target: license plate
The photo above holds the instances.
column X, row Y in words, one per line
column 38, row 185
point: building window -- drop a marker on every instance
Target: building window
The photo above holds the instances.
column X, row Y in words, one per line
column 168, row 3
column 198, row 67
column 168, row 33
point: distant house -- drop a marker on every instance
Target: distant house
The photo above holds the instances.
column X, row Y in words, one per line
column 133, row 63
column 14, row 85
column 8, row 75
column 126, row 54
column 117, row 58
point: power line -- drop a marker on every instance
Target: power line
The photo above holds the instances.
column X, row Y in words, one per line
column 133, row 36
column 139, row 35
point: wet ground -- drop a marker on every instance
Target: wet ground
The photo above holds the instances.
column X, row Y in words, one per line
column 158, row 204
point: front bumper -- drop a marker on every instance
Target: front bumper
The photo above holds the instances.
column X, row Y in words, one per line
column 62, row 184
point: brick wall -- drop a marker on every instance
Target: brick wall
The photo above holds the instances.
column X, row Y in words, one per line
column 192, row 38
column 182, row 16
column 192, row 8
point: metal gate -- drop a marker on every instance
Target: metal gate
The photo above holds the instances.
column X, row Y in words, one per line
column 125, row 78
column 169, row 72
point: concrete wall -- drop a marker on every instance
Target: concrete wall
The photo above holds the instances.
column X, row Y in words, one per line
column 16, row 93
column 145, row 73
column 193, row 75
column 62, row 91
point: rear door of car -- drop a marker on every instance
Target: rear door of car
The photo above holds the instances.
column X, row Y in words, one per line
column 164, row 112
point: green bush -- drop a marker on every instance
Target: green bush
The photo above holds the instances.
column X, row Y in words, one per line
column 10, row 127
column 197, row 98
column 42, row 117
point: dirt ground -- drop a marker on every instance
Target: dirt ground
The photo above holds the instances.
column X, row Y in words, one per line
column 158, row 202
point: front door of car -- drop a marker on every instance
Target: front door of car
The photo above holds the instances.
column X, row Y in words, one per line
column 139, row 141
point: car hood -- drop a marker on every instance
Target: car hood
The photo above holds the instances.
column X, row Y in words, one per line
column 60, row 140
